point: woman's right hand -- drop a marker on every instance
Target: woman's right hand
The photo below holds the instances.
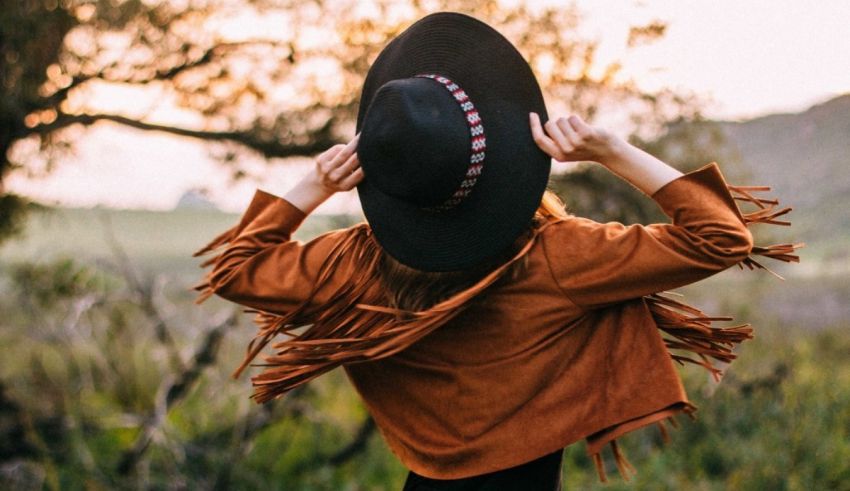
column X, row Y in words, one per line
column 571, row 139
column 337, row 169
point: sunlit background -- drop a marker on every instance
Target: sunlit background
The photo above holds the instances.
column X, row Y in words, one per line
column 132, row 132
column 745, row 59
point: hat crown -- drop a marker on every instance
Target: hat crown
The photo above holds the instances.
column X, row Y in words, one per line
column 415, row 141
column 448, row 197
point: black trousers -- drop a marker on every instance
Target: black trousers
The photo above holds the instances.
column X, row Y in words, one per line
column 543, row 474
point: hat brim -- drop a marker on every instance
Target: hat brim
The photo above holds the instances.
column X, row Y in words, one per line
column 503, row 89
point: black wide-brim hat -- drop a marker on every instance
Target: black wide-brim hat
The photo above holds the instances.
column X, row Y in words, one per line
column 426, row 202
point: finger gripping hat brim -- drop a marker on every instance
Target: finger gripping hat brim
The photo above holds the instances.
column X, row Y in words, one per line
column 504, row 90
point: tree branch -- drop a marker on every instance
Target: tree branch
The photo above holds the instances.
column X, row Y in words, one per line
column 318, row 140
column 173, row 390
column 143, row 292
column 54, row 99
column 160, row 75
column 356, row 445
column 343, row 454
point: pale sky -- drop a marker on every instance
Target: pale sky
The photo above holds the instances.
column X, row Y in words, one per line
column 750, row 57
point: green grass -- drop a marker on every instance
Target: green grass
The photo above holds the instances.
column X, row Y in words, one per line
column 156, row 241
column 780, row 419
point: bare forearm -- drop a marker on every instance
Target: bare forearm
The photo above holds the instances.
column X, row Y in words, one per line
column 642, row 170
column 571, row 139
column 308, row 194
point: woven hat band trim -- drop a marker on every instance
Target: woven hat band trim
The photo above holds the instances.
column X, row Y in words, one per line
column 478, row 142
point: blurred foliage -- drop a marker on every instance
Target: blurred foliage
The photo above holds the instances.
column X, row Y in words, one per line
column 281, row 92
column 89, row 398
column 591, row 191
column 777, row 421
column 44, row 285
column 84, row 378
column 595, row 193
column 13, row 208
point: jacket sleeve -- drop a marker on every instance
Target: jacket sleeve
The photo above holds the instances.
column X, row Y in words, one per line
column 261, row 267
column 597, row 264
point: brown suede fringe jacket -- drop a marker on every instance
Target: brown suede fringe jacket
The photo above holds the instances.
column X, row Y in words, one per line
column 581, row 347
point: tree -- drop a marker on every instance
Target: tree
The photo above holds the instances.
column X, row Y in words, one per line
column 290, row 92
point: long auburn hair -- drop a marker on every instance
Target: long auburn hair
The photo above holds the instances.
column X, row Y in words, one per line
column 413, row 290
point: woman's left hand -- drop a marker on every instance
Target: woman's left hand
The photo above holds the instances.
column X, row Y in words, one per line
column 337, row 169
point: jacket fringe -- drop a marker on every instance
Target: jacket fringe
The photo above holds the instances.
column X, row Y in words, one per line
column 766, row 212
column 688, row 329
column 220, row 240
column 624, row 467
column 340, row 334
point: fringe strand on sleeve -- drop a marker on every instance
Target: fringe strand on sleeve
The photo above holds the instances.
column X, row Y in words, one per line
column 687, row 329
column 341, row 334
column 767, row 211
column 349, row 328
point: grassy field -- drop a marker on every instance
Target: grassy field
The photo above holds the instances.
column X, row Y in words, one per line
column 156, row 241
column 107, row 383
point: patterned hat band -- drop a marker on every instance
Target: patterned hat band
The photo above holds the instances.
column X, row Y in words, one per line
column 478, row 143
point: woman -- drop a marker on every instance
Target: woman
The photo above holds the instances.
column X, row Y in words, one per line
column 484, row 327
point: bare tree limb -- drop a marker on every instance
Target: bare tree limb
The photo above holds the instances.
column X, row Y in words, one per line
column 355, row 446
column 344, row 454
column 143, row 293
column 173, row 390
column 318, row 140
column 17, row 438
column 205, row 58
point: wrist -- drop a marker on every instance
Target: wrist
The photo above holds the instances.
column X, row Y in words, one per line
column 616, row 153
column 308, row 194
column 311, row 183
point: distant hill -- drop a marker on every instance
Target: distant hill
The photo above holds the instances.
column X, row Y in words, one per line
column 805, row 157
column 195, row 199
